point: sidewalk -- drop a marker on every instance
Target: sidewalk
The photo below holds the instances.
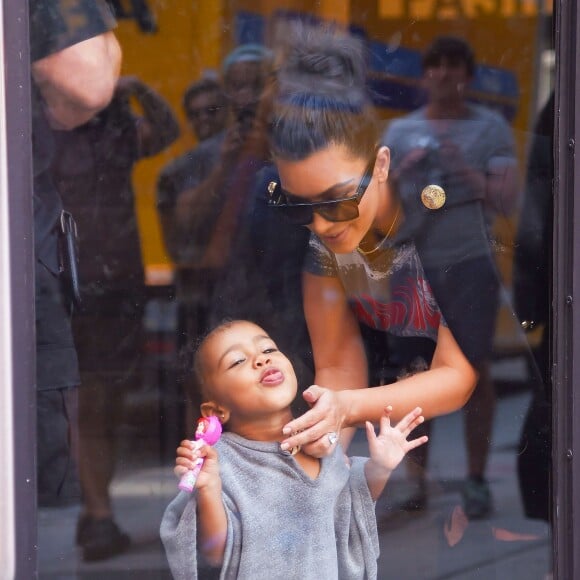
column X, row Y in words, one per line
column 413, row 545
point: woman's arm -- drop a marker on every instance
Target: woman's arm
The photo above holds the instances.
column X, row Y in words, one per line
column 444, row 388
column 157, row 128
column 339, row 354
column 79, row 81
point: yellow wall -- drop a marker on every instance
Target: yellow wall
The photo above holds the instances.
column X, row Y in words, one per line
column 188, row 40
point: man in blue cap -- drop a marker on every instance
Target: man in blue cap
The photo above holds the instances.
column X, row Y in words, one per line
column 243, row 73
column 200, row 194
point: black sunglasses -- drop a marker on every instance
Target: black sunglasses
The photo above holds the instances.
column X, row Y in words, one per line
column 210, row 111
column 335, row 210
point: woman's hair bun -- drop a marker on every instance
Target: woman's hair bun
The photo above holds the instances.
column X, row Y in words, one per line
column 321, row 95
column 323, row 58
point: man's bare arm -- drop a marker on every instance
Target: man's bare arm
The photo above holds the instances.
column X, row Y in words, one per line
column 78, row 81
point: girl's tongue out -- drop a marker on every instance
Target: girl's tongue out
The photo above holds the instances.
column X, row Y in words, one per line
column 272, row 377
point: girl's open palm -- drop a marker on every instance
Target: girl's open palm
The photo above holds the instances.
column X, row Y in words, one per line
column 390, row 445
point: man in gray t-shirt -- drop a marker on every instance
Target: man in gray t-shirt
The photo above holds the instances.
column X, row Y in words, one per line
column 460, row 155
column 454, row 168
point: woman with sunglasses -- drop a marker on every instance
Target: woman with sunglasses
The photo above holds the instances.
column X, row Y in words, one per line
column 333, row 180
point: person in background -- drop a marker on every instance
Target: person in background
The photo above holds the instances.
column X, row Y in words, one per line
column 93, row 170
column 191, row 179
column 206, row 108
column 201, row 196
column 533, row 302
column 75, row 65
column 466, row 154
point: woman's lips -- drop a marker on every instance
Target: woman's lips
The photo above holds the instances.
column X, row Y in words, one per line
column 272, row 377
column 334, row 238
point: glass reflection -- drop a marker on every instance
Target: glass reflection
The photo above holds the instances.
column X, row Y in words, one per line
column 455, row 115
column 532, row 299
column 92, row 170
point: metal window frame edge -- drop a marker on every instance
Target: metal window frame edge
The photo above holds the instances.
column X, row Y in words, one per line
column 18, row 510
column 17, row 505
column 7, row 511
column 566, row 315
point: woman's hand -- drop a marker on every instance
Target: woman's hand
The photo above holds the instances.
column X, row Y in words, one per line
column 187, row 453
column 311, row 431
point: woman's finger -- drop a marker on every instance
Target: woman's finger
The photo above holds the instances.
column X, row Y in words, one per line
column 315, row 434
column 313, row 393
column 319, row 448
column 320, row 409
column 307, row 421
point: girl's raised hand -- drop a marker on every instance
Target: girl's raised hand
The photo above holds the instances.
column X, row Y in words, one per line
column 390, row 445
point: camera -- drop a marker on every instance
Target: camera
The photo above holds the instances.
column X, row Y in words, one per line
column 428, row 142
column 245, row 117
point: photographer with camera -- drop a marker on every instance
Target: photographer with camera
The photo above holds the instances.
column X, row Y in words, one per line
column 189, row 204
column 201, row 195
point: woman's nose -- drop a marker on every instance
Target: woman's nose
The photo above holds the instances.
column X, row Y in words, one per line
column 319, row 225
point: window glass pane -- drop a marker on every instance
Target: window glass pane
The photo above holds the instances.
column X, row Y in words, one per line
column 414, row 142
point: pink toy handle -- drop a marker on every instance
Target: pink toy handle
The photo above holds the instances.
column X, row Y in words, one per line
column 209, row 430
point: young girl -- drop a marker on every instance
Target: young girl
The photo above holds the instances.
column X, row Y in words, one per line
column 258, row 511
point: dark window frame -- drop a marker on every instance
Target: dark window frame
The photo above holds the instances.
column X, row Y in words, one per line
column 566, row 343
column 19, row 178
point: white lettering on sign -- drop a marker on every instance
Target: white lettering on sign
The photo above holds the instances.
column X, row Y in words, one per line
column 441, row 9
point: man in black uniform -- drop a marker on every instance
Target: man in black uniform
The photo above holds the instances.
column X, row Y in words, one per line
column 75, row 65
column 93, row 170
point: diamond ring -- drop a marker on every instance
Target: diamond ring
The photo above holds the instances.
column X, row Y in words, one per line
column 332, row 438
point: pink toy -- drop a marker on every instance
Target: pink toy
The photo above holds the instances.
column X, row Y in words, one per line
column 209, row 430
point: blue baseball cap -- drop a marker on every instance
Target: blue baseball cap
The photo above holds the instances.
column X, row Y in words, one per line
column 247, row 53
